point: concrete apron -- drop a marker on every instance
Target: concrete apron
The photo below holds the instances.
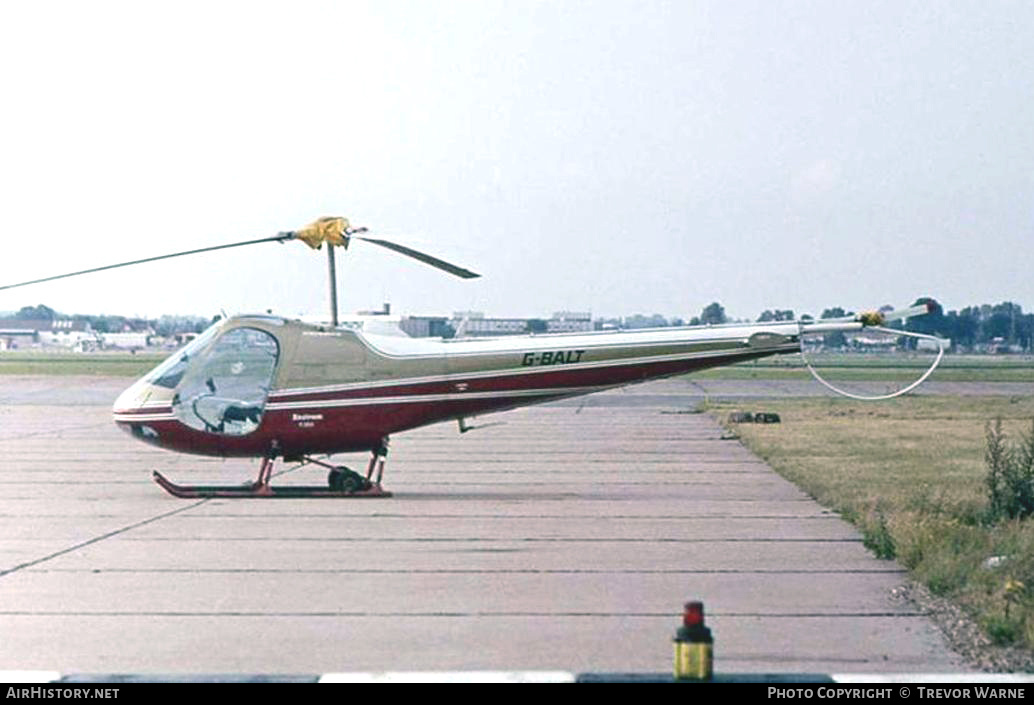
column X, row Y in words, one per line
column 566, row 539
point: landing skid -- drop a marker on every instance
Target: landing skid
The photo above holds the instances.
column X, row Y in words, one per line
column 257, row 491
column 341, row 482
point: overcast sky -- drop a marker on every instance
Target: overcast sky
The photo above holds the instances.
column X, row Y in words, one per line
column 612, row 157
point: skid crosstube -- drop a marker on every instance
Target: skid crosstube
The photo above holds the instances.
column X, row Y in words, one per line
column 257, row 491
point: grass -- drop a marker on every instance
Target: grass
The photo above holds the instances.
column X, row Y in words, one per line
column 910, row 474
column 104, row 364
column 891, row 368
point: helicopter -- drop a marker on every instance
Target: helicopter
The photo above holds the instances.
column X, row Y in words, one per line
column 272, row 388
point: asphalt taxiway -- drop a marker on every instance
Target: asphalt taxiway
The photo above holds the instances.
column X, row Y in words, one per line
column 566, row 538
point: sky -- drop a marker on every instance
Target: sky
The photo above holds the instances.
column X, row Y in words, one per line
column 604, row 156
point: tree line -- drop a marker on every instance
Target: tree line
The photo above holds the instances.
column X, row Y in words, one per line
column 994, row 328
column 165, row 325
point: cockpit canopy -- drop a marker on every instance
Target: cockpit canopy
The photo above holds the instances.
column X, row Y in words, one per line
column 221, row 379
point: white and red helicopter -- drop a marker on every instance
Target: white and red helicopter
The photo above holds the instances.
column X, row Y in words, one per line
column 272, row 388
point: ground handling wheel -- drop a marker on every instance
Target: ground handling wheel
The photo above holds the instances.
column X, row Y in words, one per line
column 341, row 479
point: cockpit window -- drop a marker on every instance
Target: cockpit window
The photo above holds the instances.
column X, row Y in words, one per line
column 170, row 372
column 223, row 389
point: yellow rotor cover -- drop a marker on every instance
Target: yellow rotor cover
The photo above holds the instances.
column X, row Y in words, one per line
column 329, row 230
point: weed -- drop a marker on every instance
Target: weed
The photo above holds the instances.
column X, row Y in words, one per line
column 1010, row 474
column 1002, row 630
column 877, row 537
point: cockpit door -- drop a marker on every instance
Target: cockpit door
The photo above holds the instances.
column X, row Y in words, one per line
column 224, row 389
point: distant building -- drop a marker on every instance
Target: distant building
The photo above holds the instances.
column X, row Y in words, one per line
column 64, row 333
column 16, row 333
column 473, row 324
column 872, row 342
column 385, row 311
column 181, row 339
column 427, row 327
column 132, row 340
column 636, row 321
column 641, row 321
column 133, row 334
column 476, row 324
column 570, row 322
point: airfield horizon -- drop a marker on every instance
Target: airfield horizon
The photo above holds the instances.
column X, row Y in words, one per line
column 891, row 367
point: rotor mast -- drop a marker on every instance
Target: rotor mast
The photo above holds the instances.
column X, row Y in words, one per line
column 332, row 275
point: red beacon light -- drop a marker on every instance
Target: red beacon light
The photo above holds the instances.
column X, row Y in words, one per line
column 693, row 615
column 694, row 646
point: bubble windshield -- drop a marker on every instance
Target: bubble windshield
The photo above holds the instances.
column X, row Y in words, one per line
column 170, row 372
column 222, row 388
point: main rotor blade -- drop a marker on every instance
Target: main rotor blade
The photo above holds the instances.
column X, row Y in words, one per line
column 425, row 258
column 276, row 238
